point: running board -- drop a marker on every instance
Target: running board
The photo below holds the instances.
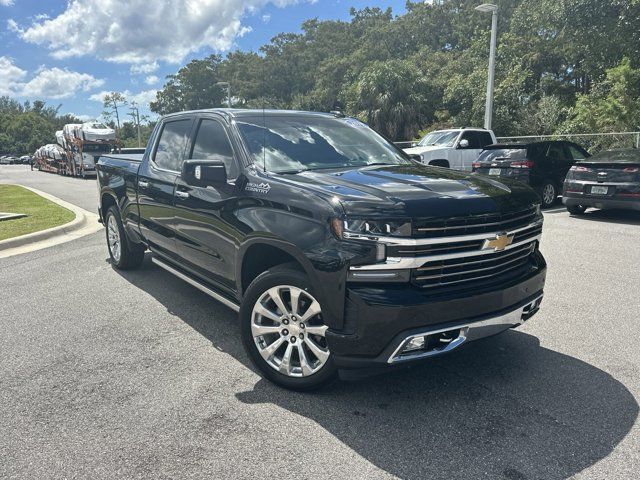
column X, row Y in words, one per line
column 225, row 301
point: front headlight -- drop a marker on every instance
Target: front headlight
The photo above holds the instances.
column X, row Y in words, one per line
column 368, row 229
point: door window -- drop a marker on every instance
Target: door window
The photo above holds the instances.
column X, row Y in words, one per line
column 575, row 153
column 485, row 139
column 556, row 152
column 212, row 143
column 477, row 139
column 173, row 140
column 472, row 138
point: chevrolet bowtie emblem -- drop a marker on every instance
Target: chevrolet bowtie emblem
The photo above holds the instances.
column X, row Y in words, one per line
column 499, row 243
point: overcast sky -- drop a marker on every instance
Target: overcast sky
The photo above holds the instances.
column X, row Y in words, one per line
column 71, row 52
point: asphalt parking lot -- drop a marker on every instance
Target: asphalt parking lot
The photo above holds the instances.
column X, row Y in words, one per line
column 106, row 374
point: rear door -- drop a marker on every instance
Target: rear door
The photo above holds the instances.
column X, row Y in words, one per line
column 156, row 184
column 554, row 163
column 477, row 141
column 207, row 234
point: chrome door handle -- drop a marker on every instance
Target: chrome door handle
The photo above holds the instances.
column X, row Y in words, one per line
column 182, row 194
column 142, row 184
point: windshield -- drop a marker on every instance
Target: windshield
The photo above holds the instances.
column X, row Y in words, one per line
column 443, row 138
column 297, row 143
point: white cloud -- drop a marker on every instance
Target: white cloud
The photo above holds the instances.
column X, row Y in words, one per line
column 144, row 68
column 12, row 26
column 6, row 3
column 11, row 77
column 59, row 83
column 266, row 18
column 144, row 31
column 142, row 98
column 151, row 80
column 46, row 83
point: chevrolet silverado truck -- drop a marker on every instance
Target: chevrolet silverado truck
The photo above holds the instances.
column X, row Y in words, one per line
column 339, row 252
column 453, row 148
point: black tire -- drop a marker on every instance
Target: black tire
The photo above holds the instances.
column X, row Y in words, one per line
column 548, row 194
column 130, row 255
column 283, row 275
column 576, row 209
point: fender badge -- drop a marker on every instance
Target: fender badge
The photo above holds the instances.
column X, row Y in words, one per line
column 263, row 187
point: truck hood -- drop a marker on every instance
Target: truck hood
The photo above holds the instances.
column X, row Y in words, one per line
column 424, row 149
column 415, row 191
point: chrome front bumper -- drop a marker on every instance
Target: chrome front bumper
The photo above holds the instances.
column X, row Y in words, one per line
column 439, row 341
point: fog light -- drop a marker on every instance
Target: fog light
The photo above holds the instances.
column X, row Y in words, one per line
column 416, row 343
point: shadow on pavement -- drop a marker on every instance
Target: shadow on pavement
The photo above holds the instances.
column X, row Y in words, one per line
column 629, row 217
column 503, row 408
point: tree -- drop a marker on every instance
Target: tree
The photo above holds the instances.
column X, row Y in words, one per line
column 193, row 87
column 392, row 97
column 112, row 103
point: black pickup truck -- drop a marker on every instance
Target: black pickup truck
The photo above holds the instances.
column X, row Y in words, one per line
column 338, row 250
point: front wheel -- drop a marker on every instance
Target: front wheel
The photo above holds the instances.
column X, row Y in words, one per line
column 283, row 331
column 124, row 254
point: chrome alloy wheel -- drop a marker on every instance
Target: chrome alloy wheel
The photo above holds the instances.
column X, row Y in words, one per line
column 548, row 194
column 113, row 237
column 287, row 328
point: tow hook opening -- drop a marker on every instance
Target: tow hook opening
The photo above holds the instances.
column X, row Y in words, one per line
column 530, row 310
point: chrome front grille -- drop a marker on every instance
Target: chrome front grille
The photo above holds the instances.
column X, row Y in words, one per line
column 472, row 268
column 472, row 224
column 450, row 260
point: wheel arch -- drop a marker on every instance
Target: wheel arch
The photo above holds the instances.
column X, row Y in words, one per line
column 259, row 254
column 440, row 162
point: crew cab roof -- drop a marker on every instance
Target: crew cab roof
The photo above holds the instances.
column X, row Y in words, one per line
column 243, row 112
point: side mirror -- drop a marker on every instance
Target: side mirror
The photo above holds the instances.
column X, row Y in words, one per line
column 204, row 172
column 463, row 143
column 414, row 144
column 416, row 157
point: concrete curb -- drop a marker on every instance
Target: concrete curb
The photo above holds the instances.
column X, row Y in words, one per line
column 84, row 223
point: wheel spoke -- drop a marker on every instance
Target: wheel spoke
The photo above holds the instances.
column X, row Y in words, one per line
column 285, row 365
column 316, row 329
column 304, row 361
column 313, row 310
column 268, row 352
column 265, row 312
column 316, row 350
column 274, row 293
column 259, row 330
column 295, row 297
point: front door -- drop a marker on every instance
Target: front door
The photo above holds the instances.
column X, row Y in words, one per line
column 156, row 185
column 206, row 232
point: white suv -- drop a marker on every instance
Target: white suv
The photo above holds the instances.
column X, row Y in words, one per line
column 453, row 148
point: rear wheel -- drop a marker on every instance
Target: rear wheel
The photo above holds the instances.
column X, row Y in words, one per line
column 283, row 331
column 576, row 209
column 124, row 255
column 548, row 193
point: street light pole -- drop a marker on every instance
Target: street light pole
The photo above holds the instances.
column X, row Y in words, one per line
column 488, row 110
column 228, row 85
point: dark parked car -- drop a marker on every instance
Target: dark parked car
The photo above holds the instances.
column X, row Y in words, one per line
column 338, row 251
column 609, row 179
column 542, row 165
